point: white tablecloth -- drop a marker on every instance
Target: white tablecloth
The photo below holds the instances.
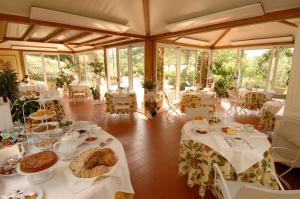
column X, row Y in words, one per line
column 6, row 119
column 272, row 106
column 240, row 158
column 202, row 94
column 59, row 187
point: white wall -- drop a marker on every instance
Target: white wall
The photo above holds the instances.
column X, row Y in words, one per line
column 292, row 107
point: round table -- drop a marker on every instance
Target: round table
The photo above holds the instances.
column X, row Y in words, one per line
column 63, row 185
column 6, row 119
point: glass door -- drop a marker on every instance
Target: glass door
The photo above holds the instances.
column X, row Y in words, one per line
column 170, row 72
column 123, row 67
column 112, row 71
column 138, row 68
column 187, row 69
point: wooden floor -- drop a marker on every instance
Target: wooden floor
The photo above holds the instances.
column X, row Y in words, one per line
column 152, row 149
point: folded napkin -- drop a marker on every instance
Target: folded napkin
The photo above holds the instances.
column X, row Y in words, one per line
column 77, row 185
column 9, row 152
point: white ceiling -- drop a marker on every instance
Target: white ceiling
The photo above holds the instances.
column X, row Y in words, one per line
column 131, row 11
column 162, row 12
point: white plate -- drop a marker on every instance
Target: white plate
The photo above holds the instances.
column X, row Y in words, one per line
column 38, row 191
column 43, row 117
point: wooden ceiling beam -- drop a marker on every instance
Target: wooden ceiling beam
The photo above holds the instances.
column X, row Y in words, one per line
column 76, row 37
column 29, row 32
column 94, row 40
column 268, row 17
column 288, row 23
column 27, row 20
column 110, row 42
column 3, row 29
column 54, row 35
column 146, row 17
column 71, row 49
column 221, row 37
column 133, row 41
column 182, row 44
column 255, row 45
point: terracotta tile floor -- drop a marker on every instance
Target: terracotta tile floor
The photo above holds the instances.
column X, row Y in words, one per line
column 152, row 148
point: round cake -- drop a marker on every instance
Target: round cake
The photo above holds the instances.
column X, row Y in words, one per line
column 38, row 161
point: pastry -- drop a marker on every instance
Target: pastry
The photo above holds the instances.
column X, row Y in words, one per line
column 21, row 194
column 9, row 166
column 43, row 128
column 38, row 161
column 46, row 142
column 93, row 162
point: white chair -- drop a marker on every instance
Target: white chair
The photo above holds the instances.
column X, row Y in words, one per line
column 235, row 101
column 243, row 190
column 172, row 108
column 121, row 103
column 203, row 112
column 210, row 102
column 286, row 144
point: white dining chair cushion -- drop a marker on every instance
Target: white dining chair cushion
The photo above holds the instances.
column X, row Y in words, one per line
column 234, row 187
column 191, row 113
column 248, row 191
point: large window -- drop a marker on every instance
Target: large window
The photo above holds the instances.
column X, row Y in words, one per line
column 180, row 68
column 51, row 68
column 46, row 68
column 112, row 68
column 187, row 69
column 126, row 69
column 34, row 67
column 267, row 68
column 283, row 68
column 85, row 70
column 255, row 66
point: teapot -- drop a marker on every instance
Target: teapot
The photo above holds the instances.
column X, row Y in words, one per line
column 66, row 146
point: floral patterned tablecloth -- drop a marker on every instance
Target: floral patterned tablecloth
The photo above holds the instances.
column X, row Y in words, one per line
column 110, row 106
column 192, row 101
column 196, row 160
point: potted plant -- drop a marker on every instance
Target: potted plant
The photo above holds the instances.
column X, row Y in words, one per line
column 9, row 84
column 63, row 80
column 148, row 85
column 30, row 107
column 95, row 93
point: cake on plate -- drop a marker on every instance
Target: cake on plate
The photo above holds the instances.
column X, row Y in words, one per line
column 38, row 162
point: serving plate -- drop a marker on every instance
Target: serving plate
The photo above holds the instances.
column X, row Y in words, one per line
column 36, row 190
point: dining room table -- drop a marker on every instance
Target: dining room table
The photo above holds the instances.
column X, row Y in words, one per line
column 242, row 156
column 116, row 184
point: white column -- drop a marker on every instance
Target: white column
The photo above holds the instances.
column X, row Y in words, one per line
column 292, row 107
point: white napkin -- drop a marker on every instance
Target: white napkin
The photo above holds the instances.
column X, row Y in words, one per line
column 77, row 185
column 8, row 152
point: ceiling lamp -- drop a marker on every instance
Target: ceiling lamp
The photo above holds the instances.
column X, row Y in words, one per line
column 263, row 40
column 21, row 47
column 188, row 40
column 218, row 17
column 75, row 20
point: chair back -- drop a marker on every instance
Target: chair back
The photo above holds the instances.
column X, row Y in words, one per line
column 286, row 135
column 203, row 112
column 250, row 192
column 166, row 98
column 233, row 94
column 121, row 102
